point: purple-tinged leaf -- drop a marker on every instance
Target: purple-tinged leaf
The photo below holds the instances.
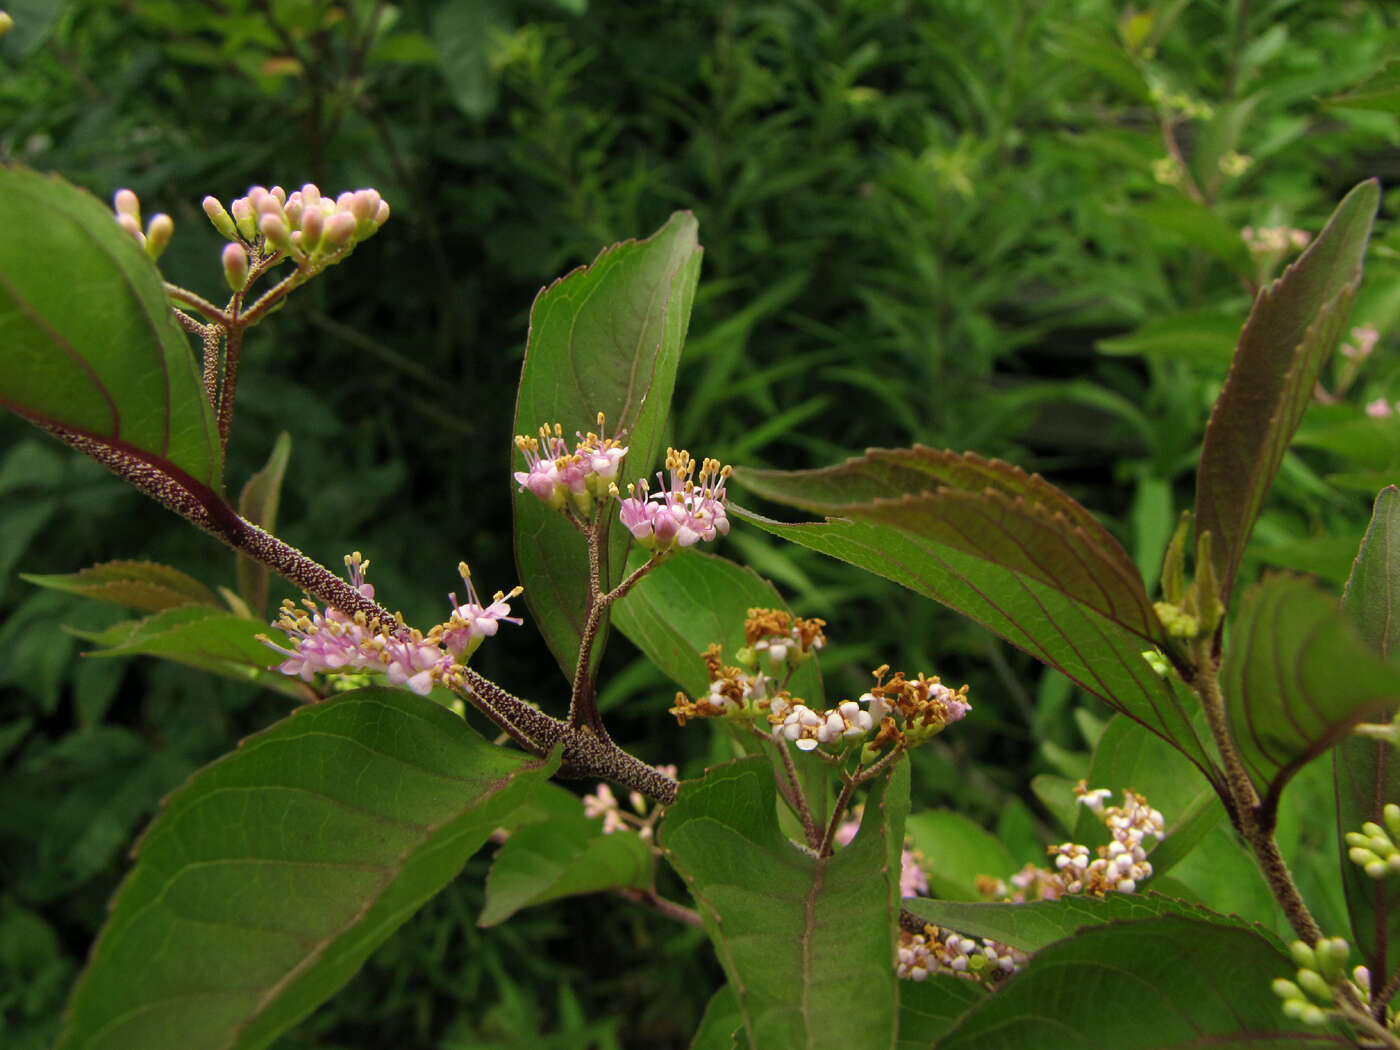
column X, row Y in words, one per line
column 807, row 943
column 145, row 585
column 1004, row 548
column 1296, row 678
column 271, row 875
column 1156, row 984
column 88, row 345
column 605, row 338
column 1366, row 772
column 1292, row 328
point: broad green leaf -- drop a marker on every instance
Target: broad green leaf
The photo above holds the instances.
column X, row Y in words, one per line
column 270, row 876
column 956, row 851
column 929, row 1008
column 794, row 933
column 144, row 585
column 258, row 503
column 1128, row 757
column 1296, row 678
column 1155, row 984
column 1099, row 654
column 117, row 372
column 692, row 600
column 468, row 35
column 1367, row 772
column 1033, row 925
column 200, row 636
column 1291, row 330
column 605, row 338
column 562, row 857
column 723, row 1024
column 1220, row 873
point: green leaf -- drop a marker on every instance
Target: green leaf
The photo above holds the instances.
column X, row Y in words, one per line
column 1150, row 985
column 957, row 850
column 1035, row 924
column 258, row 503
column 723, row 1023
column 272, row 874
column 1291, row 330
column 794, row 933
column 117, row 372
column 561, row 857
column 1202, row 338
column 1004, row 548
column 1380, row 91
column 468, row 34
column 144, row 585
column 1183, row 219
column 929, row 1008
column 605, row 338
column 1366, row 772
column 1286, row 699
column 692, row 600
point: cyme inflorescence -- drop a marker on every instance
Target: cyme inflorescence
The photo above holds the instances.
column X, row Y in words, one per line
column 1373, row 847
column 330, row 641
column 155, row 238
column 690, row 510
column 939, row 950
column 1321, row 981
column 570, row 478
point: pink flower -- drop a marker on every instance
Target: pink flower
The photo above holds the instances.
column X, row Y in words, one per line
column 555, row 475
column 689, row 511
column 1379, row 408
column 473, row 622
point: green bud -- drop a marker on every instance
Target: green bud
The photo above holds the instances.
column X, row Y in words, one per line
column 1286, row 989
column 747, row 658
column 6, row 22
column 1332, row 955
column 1303, row 955
column 1315, row 985
column 1361, row 856
column 1391, row 816
column 222, row 220
column 1205, row 589
column 158, row 233
column 1174, row 564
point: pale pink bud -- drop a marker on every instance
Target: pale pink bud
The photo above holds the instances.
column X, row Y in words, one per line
column 339, row 230
column 382, row 215
column 310, row 196
column 292, row 209
column 128, row 222
column 344, row 201
column 364, row 205
column 280, row 194
column 158, row 233
column 223, row 222
column 124, row 202
column 312, row 222
column 275, row 232
column 235, row 266
column 256, row 195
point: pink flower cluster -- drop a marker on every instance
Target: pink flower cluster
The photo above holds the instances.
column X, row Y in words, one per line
column 556, row 475
column 330, row 641
column 302, row 224
column 691, row 510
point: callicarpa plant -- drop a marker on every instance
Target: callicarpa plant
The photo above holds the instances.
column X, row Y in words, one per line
column 838, row 917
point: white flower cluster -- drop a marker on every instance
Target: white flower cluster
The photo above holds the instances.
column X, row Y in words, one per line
column 937, row 950
column 807, row 728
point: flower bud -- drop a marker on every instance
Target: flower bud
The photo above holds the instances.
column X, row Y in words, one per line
column 243, row 218
column 6, row 22
column 382, row 215
column 1391, row 816
column 280, row 194
column 125, row 202
column 235, row 266
column 275, row 232
column 312, row 222
column 1303, row 955
column 223, row 222
column 1315, row 985
column 310, row 196
column 339, row 231
column 128, row 222
column 158, row 233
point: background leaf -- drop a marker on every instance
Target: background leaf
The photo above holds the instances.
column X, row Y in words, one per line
column 258, row 503
column 794, row 932
column 272, row 874
column 1292, row 328
column 564, row 855
column 605, row 338
column 119, row 370
column 1159, row 983
column 1366, row 772
column 1286, row 700
column 136, row 584
column 692, row 600
column 957, row 850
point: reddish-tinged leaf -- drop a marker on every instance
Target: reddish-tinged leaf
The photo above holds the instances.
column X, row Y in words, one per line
column 1296, row 678
column 1291, row 330
column 144, row 585
column 1366, row 771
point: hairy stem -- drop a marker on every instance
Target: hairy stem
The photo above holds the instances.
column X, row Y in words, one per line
column 662, row 906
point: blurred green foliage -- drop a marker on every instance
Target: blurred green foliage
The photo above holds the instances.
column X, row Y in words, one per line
column 953, row 222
